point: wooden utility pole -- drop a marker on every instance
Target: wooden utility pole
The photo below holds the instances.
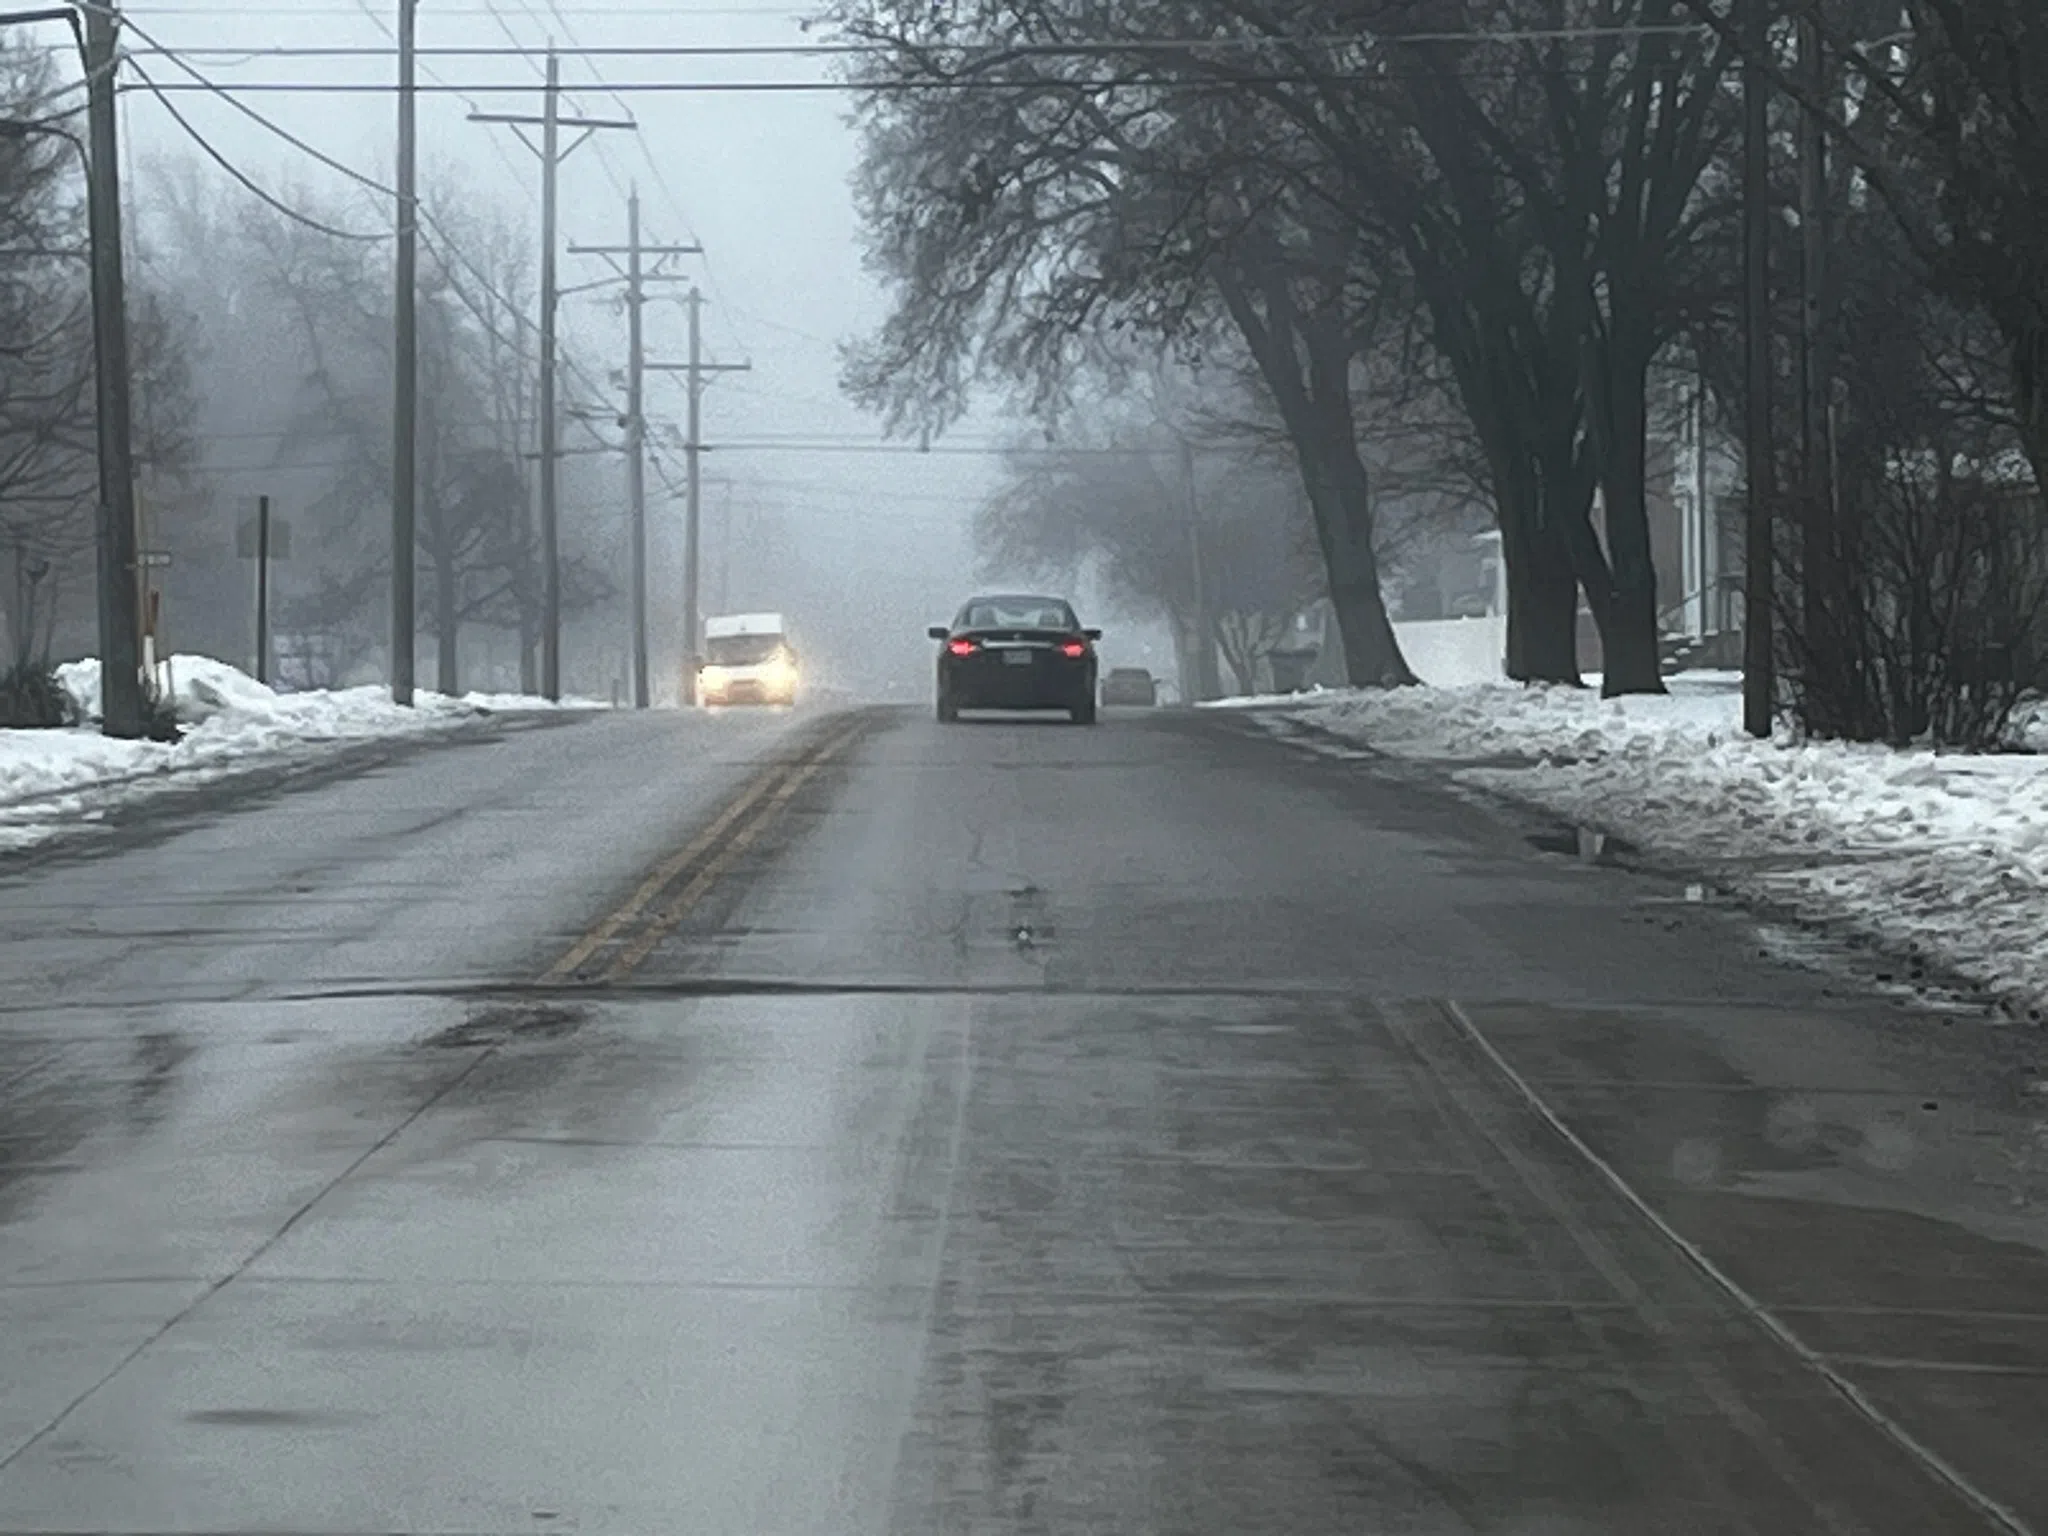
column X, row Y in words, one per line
column 551, row 123
column 1759, row 639
column 1819, row 552
column 636, row 446
column 637, row 277
column 263, row 589
column 405, row 349
column 1206, row 683
column 120, row 623
column 693, row 454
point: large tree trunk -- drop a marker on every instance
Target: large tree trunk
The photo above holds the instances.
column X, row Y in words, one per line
column 1627, row 610
column 1197, row 681
column 1542, row 580
column 1317, row 412
column 1339, row 496
column 1543, row 606
column 1239, row 657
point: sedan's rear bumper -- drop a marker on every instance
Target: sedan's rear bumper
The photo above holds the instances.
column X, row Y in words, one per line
column 1048, row 681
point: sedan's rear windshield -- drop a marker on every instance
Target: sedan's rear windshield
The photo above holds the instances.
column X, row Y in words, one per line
column 1022, row 613
column 742, row 650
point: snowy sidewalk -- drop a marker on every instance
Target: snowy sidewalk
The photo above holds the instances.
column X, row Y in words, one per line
column 1923, row 853
column 52, row 781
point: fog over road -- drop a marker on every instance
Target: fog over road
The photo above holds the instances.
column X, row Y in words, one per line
column 839, row 1123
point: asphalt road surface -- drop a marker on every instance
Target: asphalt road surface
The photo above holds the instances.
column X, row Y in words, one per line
column 830, row 1125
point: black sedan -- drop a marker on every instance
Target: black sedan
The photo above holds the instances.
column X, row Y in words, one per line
column 1017, row 653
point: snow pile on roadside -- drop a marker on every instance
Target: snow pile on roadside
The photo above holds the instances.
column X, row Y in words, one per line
column 1936, row 853
column 230, row 722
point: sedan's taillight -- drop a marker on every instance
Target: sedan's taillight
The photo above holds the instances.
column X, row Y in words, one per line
column 961, row 647
column 1074, row 648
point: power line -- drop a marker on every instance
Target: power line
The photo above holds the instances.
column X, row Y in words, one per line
column 240, row 12
column 964, row 55
column 604, row 150
column 891, row 87
column 941, row 450
column 243, row 180
column 504, row 155
column 446, row 246
column 519, row 45
column 200, row 81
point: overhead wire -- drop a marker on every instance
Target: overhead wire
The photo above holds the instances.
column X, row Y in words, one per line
column 440, row 241
column 245, row 181
column 504, row 155
column 895, row 87
column 976, row 52
column 504, row 25
column 576, row 49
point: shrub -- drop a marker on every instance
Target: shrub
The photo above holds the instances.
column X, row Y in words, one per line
column 32, row 698
column 160, row 717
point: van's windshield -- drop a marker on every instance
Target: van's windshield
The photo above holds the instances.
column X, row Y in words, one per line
column 742, row 650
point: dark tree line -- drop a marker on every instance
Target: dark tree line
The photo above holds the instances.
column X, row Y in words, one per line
column 1544, row 193
column 261, row 364
column 49, row 473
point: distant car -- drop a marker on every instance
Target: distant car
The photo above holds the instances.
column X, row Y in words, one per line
column 1130, row 686
column 1004, row 652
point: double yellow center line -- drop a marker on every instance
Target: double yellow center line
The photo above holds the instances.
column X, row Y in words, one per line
column 618, row 945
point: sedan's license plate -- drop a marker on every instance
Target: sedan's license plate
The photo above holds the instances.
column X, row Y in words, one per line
column 1016, row 658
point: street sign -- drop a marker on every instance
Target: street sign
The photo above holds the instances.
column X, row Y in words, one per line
column 248, row 536
column 155, row 559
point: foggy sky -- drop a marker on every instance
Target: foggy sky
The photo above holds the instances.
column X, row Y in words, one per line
column 760, row 179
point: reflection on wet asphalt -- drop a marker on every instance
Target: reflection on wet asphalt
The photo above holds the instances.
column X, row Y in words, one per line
column 1112, row 1158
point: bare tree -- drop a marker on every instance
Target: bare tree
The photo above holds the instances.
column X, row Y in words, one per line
column 476, row 418
column 1029, row 232
column 1211, row 537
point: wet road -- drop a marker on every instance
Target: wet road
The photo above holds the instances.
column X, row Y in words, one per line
column 847, row 1125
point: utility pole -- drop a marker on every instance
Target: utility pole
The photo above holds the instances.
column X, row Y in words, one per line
column 693, row 453
column 637, row 277
column 636, row 447
column 725, row 545
column 1759, row 655
column 1713, row 620
column 551, row 123
column 405, row 391
column 121, row 687
column 1206, row 683
column 263, row 589
column 1818, row 548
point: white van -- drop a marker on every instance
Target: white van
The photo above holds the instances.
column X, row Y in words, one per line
column 747, row 660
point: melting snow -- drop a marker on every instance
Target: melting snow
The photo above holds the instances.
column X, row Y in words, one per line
column 1941, row 854
column 55, row 778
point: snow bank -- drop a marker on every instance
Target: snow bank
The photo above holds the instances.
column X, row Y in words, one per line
column 230, row 721
column 1944, row 854
column 1451, row 653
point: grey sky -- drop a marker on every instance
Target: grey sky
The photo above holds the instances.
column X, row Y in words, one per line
column 761, row 179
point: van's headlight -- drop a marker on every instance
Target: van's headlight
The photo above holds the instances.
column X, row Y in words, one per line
column 781, row 673
column 713, row 677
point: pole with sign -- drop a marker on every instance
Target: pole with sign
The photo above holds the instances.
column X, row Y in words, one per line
column 263, row 589
column 264, row 538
